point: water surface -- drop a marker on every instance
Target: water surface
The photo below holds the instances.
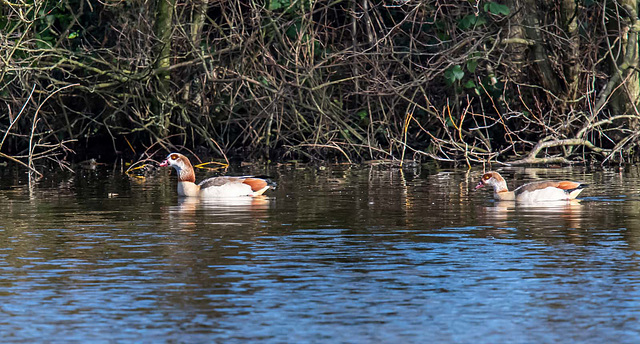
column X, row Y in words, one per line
column 335, row 255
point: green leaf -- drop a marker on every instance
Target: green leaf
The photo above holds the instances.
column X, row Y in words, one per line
column 472, row 65
column 469, row 84
column 443, row 36
column 453, row 74
column 293, row 30
column 466, row 22
column 362, row 114
column 448, row 77
column 264, row 81
column 274, row 5
column 73, row 35
column 458, row 73
column 278, row 4
column 448, row 122
column 43, row 44
column 496, row 8
column 471, row 20
column 50, row 19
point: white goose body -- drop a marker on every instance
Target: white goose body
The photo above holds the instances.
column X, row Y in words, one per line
column 216, row 187
column 543, row 191
column 550, row 193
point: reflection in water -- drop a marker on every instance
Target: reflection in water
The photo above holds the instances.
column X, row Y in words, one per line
column 341, row 254
column 189, row 205
column 565, row 213
column 192, row 212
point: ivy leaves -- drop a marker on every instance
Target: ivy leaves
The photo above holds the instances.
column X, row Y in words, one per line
column 471, row 21
column 496, row 8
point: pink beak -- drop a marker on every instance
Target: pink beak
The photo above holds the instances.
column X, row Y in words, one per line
column 164, row 163
column 480, row 185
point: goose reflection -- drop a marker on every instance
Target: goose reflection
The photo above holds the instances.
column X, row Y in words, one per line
column 541, row 214
column 191, row 211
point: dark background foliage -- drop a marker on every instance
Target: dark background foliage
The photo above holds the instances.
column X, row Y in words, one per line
column 518, row 81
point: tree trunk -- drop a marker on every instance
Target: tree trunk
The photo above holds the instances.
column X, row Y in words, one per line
column 199, row 14
column 570, row 25
column 532, row 28
column 163, row 30
column 516, row 36
column 625, row 98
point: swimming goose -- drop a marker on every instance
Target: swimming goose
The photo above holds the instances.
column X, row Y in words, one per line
column 213, row 187
column 531, row 192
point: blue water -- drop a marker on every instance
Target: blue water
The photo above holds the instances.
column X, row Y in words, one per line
column 335, row 255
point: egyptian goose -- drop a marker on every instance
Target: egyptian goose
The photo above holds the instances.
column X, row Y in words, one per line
column 213, row 187
column 531, row 192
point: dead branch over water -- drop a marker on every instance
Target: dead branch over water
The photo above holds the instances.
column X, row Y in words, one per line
column 510, row 82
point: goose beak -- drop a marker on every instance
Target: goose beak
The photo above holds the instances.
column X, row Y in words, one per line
column 480, row 185
column 164, row 163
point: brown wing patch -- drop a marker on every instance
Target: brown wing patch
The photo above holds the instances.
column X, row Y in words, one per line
column 567, row 185
column 530, row 187
column 218, row 181
column 564, row 185
column 255, row 183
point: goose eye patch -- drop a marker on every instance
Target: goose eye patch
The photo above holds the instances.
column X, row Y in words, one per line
column 174, row 156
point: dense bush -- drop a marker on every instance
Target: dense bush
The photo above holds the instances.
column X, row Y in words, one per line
column 475, row 81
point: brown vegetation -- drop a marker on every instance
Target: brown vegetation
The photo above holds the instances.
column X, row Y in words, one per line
column 513, row 81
